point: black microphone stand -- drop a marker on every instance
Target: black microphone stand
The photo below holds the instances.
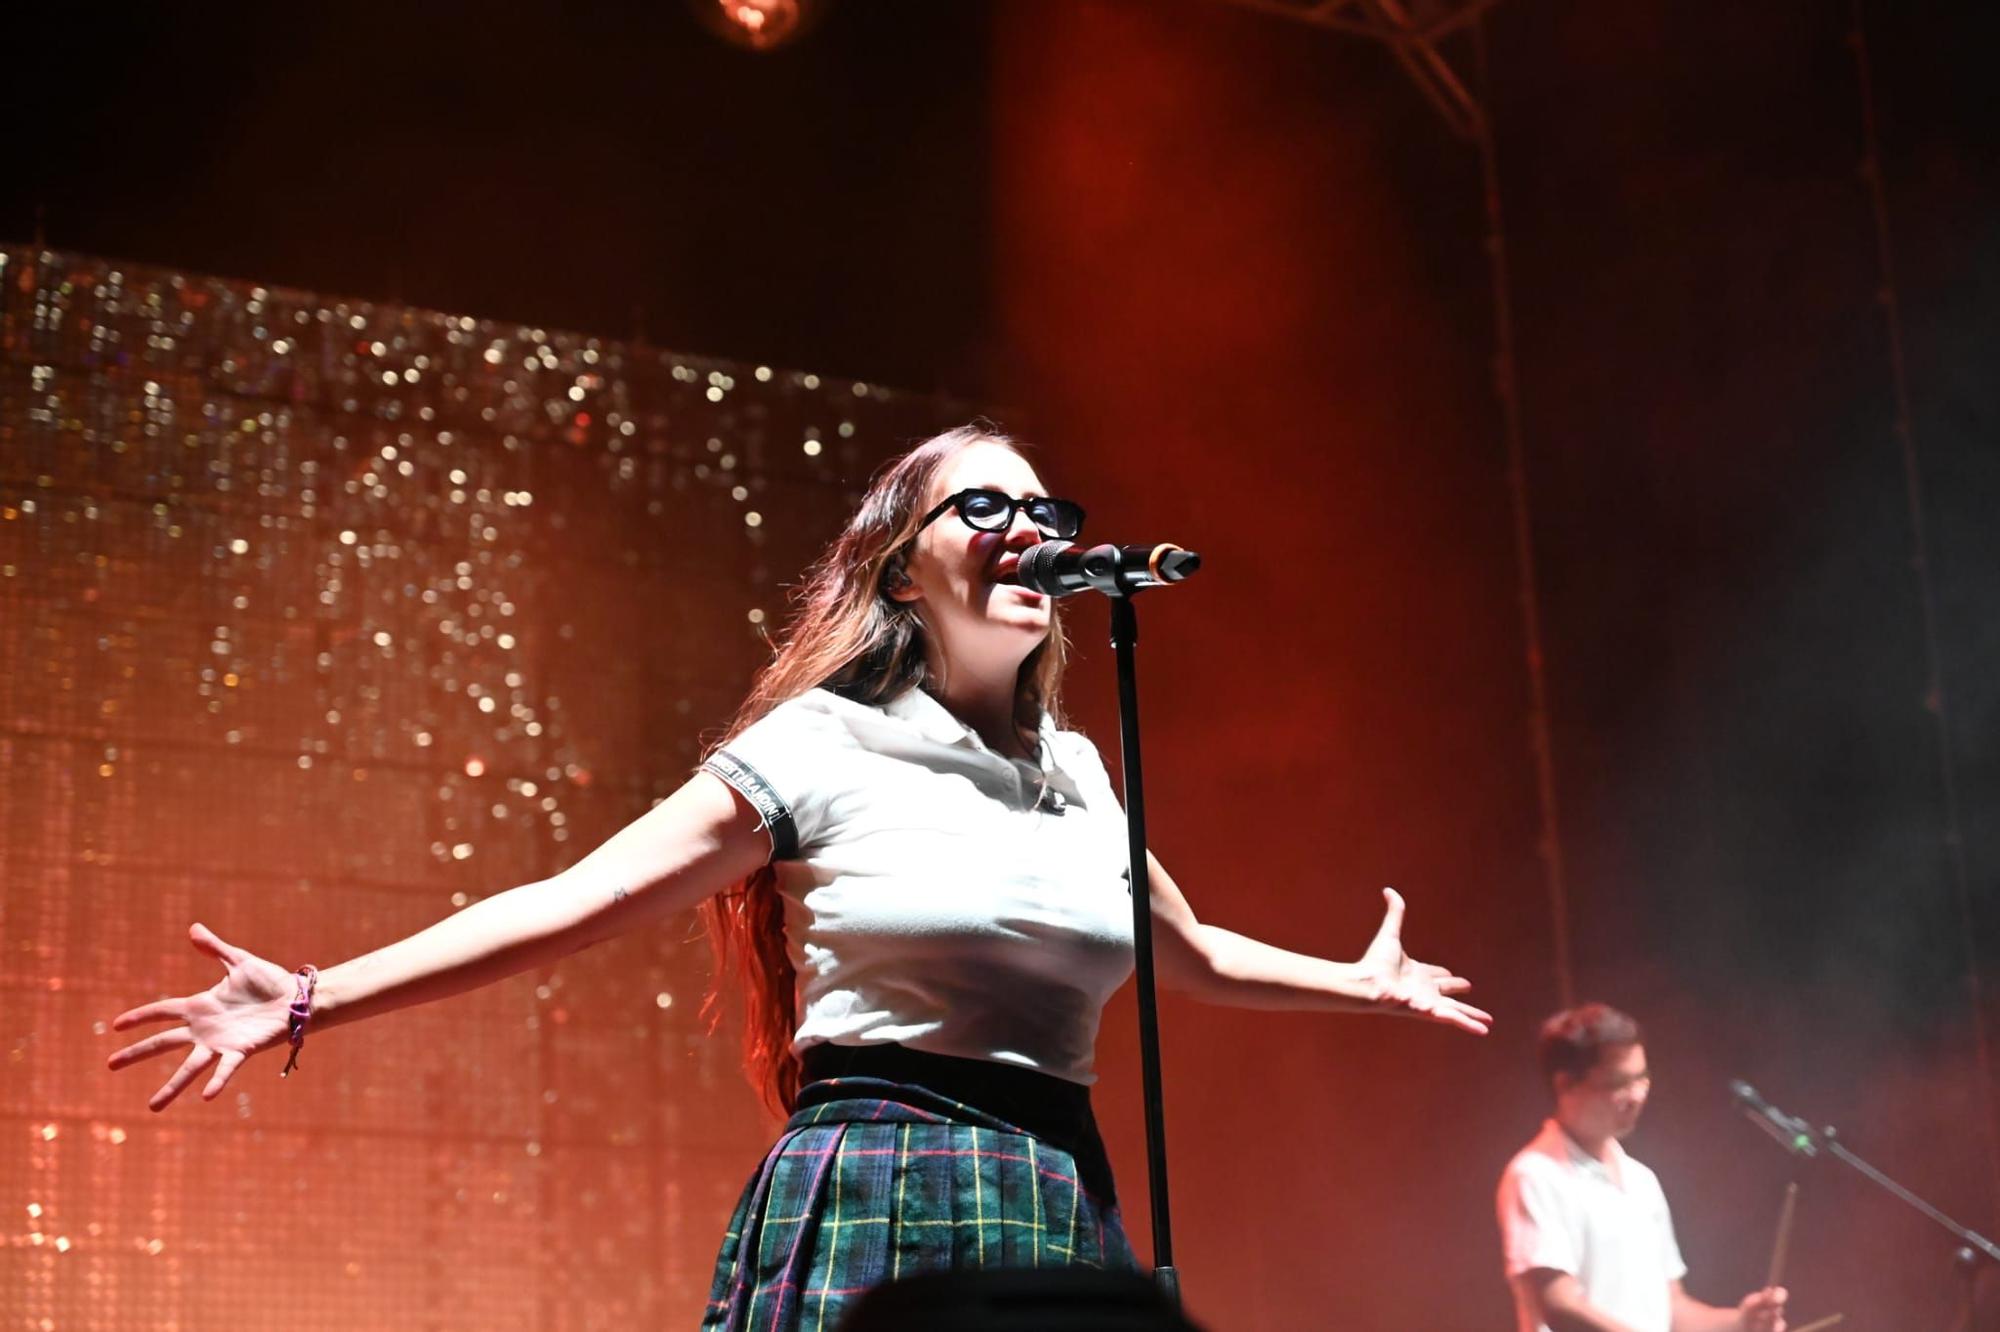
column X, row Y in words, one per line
column 1124, row 638
column 1973, row 1247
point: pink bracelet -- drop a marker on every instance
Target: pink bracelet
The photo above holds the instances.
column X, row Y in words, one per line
column 301, row 1014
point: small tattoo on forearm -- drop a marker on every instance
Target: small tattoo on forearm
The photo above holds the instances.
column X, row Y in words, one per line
column 618, row 894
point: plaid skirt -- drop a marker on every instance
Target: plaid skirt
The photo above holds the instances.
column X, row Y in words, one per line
column 872, row 1180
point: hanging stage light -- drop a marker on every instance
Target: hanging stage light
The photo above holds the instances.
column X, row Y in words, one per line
column 758, row 24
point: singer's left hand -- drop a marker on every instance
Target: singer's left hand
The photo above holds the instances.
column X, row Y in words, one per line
column 1411, row 988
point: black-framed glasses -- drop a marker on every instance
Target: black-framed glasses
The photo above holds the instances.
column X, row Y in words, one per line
column 993, row 511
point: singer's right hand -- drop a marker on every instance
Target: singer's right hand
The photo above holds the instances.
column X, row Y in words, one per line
column 1412, row 988
column 244, row 1012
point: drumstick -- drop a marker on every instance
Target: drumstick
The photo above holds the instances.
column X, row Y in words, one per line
column 1784, row 1235
column 1820, row 1325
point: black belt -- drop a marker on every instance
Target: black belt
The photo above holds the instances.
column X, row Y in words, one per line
column 1050, row 1108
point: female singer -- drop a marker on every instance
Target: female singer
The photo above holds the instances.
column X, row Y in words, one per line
column 919, row 876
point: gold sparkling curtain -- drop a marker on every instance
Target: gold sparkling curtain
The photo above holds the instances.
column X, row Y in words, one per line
column 317, row 620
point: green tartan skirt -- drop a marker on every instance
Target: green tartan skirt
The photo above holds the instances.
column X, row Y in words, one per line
column 873, row 1179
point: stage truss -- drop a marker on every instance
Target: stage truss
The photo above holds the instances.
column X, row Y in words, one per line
column 1435, row 41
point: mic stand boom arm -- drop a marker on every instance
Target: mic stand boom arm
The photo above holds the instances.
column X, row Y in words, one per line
column 1805, row 1141
column 1973, row 1247
column 1976, row 1245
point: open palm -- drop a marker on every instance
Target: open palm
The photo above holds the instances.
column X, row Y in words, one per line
column 244, row 1012
column 1413, row 988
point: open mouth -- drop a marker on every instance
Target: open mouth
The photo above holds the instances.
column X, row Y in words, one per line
column 1006, row 570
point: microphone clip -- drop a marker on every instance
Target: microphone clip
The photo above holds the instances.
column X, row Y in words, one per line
column 1788, row 1131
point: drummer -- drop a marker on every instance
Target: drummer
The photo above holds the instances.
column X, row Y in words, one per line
column 1584, row 1227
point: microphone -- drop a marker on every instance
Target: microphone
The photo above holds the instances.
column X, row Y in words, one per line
column 1058, row 568
column 1794, row 1135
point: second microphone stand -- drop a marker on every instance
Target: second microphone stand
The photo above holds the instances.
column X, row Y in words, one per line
column 1974, row 1252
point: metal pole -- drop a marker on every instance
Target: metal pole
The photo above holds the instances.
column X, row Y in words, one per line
column 1124, row 638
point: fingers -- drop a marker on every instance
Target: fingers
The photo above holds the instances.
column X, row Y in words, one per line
column 206, row 940
column 159, row 1010
column 155, row 1044
column 1439, row 978
column 198, row 1059
column 225, row 1069
column 1463, row 1016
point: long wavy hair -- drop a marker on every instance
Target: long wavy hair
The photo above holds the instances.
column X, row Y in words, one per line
column 850, row 636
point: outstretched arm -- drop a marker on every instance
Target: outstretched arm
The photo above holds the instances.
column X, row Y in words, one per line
column 695, row 842
column 1223, row 967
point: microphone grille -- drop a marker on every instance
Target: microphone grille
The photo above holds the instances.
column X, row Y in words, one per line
column 1038, row 564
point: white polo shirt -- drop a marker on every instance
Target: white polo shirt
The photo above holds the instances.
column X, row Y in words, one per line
column 1561, row 1209
column 936, row 893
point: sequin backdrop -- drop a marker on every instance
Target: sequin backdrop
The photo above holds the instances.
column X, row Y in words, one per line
column 317, row 620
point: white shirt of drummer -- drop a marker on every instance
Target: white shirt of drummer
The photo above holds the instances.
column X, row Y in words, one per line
column 1607, row 1225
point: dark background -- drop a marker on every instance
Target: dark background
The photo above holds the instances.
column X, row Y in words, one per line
column 1226, row 269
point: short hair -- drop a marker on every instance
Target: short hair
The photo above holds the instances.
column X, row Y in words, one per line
column 1575, row 1039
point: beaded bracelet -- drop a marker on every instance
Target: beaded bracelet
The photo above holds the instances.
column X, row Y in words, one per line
column 301, row 1014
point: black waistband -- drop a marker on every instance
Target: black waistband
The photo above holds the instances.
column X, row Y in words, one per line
column 1052, row 1109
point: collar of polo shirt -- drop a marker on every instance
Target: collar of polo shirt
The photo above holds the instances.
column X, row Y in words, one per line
column 931, row 718
column 1583, row 1160
column 934, row 721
